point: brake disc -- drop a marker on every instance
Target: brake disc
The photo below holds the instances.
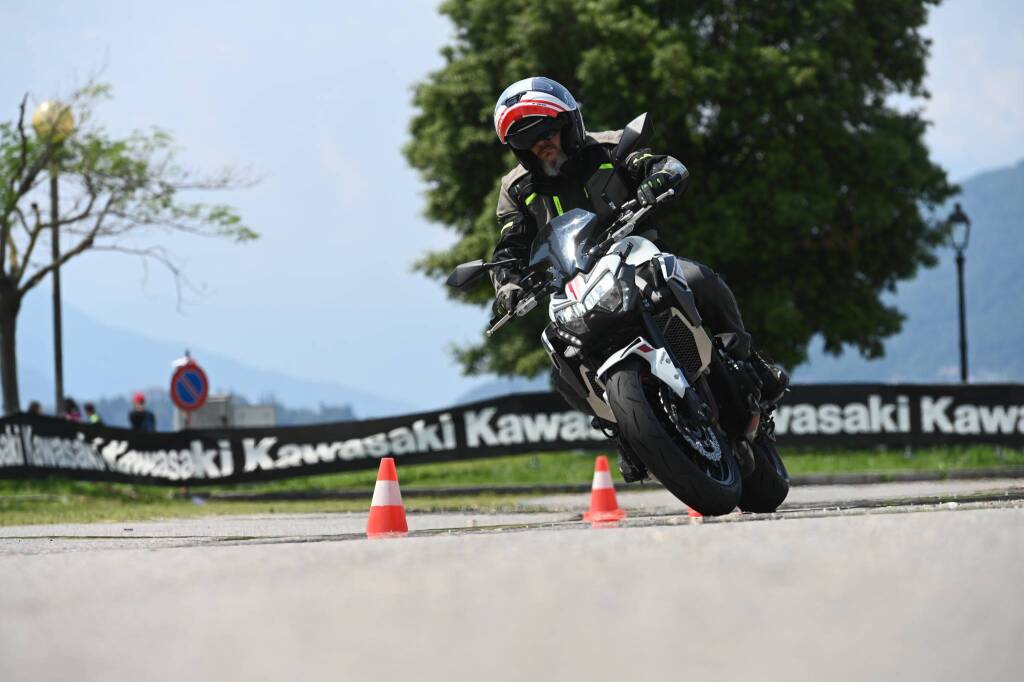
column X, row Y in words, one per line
column 700, row 437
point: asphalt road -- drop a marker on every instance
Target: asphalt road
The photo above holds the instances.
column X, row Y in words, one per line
column 908, row 581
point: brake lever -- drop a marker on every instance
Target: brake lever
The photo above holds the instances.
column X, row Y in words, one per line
column 499, row 324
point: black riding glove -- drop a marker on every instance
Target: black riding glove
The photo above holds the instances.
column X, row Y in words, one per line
column 651, row 188
column 507, row 297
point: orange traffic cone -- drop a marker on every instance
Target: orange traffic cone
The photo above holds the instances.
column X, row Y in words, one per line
column 387, row 513
column 603, row 505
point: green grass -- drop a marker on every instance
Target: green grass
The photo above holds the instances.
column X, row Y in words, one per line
column 64, row 501
column 935, row 459
column 116, row 506
column 559, row 467
column 577, row 467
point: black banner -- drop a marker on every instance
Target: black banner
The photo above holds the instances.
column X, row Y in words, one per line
column 896, row 415
column 827, row 416
column 524, row 423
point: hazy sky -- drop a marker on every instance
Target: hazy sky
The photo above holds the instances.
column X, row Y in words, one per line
column 317, row 98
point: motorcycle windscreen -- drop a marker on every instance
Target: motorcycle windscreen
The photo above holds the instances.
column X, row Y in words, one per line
column 564, row 242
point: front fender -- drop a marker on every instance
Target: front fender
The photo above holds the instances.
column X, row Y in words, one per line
column 658, row 359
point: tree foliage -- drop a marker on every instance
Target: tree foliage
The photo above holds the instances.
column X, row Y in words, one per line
column 809, row 190
column 116, row 194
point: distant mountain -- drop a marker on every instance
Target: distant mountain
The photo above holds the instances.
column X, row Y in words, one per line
column 928, row 347
column 504, row 386
column 100, row 360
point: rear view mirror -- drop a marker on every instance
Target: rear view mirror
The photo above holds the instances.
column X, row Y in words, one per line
column 634, row 136
column 464, row 277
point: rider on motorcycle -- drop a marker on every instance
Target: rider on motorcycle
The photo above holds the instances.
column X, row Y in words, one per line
column 562, row 167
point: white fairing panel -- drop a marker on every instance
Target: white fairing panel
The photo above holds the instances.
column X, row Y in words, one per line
column 657, row 358
column 643, row 249
column 600, row 407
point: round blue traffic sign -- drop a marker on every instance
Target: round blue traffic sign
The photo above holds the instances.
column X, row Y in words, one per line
column 189, row 386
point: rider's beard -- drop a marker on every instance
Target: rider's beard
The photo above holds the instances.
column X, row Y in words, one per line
column 551, row 168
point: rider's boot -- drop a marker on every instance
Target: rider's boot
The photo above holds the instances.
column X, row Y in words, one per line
column 774, row 380
column 631, row 471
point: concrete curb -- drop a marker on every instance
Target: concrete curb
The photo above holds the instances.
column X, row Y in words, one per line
column 561, row 488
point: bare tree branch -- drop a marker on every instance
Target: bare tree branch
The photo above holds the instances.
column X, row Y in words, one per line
column 22, row 137
column 83, row 214
column 162, row 256
column 30, row 175
column 23, row 151
column 24, row 223
column 12, row 197
column 82, row 246
column 17, row 275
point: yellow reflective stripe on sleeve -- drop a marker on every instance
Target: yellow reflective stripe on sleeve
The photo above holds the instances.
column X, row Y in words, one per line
column 558, row 205
column 529, row 199
column 506, row 226
column 606, row 166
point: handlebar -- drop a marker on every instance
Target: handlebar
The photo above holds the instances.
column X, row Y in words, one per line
column 631, row 218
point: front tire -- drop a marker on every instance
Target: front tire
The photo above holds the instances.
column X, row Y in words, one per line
column 767, row 487
column 709, row 487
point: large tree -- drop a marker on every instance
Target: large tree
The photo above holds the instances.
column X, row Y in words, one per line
column 116, row 194
column 809, row 190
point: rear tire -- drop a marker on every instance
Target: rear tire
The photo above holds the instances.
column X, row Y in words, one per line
column 767, row 487
column 711, row 488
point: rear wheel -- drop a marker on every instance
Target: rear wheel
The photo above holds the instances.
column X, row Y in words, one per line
column 693, row 461
column 767, row 487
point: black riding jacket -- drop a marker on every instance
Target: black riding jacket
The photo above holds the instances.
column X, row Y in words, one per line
column 588, row 180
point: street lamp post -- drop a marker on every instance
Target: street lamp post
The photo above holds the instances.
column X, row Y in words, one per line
column 960, row 225
column 53, row 123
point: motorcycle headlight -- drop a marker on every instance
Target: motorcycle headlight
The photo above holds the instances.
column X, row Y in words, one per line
column 606, row 293
column 571, row 317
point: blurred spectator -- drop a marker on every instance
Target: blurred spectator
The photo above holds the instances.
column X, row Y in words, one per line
column 140, row 418
column 91, row 415
column 71, row 411
column 35, row 408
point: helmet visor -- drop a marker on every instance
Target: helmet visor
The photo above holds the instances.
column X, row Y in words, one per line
column 530, row 134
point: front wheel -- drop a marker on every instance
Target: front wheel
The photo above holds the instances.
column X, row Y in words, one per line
column 693, row 461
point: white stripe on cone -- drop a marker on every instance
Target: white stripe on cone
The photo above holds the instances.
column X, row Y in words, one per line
column 386, row 494
column 602, row 480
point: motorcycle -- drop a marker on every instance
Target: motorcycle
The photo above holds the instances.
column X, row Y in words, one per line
column 627, row 338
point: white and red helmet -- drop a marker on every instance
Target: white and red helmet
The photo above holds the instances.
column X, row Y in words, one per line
column 531, row 101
